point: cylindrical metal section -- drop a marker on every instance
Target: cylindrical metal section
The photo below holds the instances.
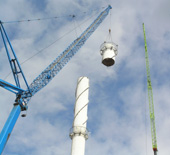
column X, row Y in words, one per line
column 108, row 51
column 79, row 132
column 78, row 145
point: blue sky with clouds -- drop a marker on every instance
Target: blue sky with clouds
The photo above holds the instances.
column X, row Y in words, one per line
column 118, row 111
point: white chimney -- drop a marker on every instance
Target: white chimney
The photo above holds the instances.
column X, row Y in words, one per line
column 79, row 132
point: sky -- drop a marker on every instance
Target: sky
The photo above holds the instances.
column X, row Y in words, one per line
column 118, row 110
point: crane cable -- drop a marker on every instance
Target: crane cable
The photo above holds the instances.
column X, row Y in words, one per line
column 30, row 20
column 76, row 25
column 46, row 18
column 74, row 22
column 42, row 50
column 109, row 36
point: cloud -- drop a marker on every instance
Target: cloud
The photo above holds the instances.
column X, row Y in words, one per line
column 118, row 109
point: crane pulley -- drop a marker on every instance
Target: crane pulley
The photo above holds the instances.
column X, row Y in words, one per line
column 24, row 96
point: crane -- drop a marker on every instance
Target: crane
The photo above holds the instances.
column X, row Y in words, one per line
column 24, row 96
column 150, row 97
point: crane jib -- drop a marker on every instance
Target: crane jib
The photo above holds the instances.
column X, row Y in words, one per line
column 43, row 79
column 49, row 73
column 150, row 97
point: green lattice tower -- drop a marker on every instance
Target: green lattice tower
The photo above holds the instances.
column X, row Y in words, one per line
column 150, row 97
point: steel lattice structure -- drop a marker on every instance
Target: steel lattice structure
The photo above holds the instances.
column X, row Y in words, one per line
column 150, row 97
column 24, row 96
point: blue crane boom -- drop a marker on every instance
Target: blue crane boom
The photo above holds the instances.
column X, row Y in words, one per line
column 24, row 96
column 49, row 73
